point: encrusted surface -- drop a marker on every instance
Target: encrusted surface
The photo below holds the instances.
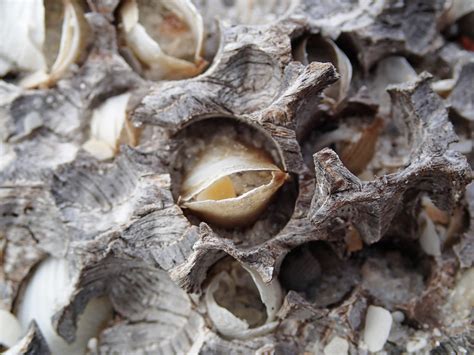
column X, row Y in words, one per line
column 346, row 241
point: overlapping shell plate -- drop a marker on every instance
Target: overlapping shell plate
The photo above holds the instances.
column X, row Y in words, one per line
column 360, row 202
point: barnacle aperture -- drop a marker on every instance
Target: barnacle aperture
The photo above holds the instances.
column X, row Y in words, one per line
column 231, row 183
column 239, row 303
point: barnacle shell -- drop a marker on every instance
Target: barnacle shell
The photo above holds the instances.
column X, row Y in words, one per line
column 231, row 183
column 227, row 323
column 175, row 52
column 30, row 53
column 121, row 225
column 48, row 290
column 320, row 49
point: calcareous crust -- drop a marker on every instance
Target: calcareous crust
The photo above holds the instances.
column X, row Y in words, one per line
column 357, row 223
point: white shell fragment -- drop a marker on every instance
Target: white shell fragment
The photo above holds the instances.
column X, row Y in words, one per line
column 320, row 49
column 457, row 9
column 231, row 184
column 391, row 70
column 378, row 323
column 174, row 52
column 10, row 329
column 429, row 238
column 337, row 346
column 110, row 128
column 226, row 322
column 26, row 52
column 48, row 289
column 416, row 344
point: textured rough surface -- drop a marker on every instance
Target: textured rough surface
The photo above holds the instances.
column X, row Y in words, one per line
column 336, row 240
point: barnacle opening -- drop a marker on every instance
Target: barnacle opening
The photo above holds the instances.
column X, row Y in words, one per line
column 315, row 271
column 239, row 303
column 162, row 40
column 231, row 175
column 316, row 48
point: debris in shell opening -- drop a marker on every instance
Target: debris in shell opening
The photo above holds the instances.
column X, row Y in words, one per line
column 314, row 270
column 166, row 37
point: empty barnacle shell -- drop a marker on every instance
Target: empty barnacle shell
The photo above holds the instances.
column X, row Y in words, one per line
column 316, row 48
column 231, row 183
column 41, row 56
column 171, row 47
column 240, row 304
column 111, row 127
column 46, row 291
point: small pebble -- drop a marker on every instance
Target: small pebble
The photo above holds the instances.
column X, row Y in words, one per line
column 378, row 323
column 337, row 346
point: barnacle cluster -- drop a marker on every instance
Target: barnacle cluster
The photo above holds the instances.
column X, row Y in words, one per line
column 236, row 176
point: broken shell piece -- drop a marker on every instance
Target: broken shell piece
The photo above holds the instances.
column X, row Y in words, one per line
column 443, row 87
column 235, row 299
column 316, row 48
column 378, row 323
column 44, row 54
column 10, row 329
column 231, row 183
column 434, row 213
column 110, row 127
column 355, row 146
column 429, row 238
column 49, row 289
column 391, row 70
column 357, row 155
column 171, row 47
column 457, row 9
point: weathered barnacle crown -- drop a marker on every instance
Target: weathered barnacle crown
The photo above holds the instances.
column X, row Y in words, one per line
column 281, row 201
